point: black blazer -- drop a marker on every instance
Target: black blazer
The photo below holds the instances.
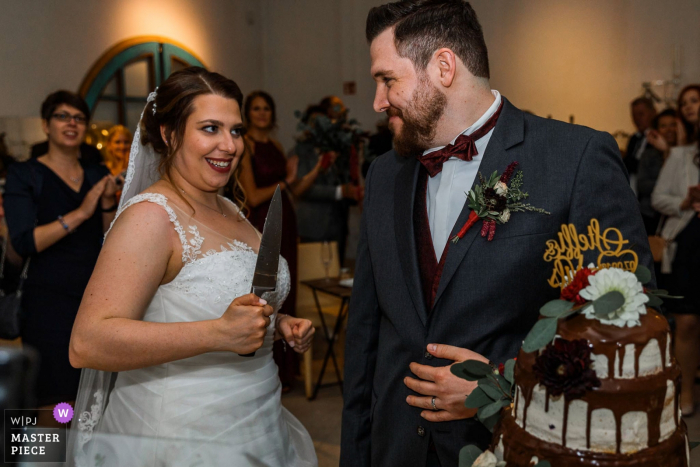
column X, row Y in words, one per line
column 490, row 292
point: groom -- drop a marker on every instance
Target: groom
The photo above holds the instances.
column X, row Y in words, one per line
column 421, row 302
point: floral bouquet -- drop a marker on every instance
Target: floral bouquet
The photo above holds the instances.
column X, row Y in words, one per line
column 340, row 136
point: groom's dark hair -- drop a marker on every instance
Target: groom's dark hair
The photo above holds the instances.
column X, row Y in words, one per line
column 423, row 26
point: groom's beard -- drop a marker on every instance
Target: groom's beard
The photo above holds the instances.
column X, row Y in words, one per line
column 419, row 118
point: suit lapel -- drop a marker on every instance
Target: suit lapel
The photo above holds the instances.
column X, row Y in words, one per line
column 508, row 132
column 405, row 184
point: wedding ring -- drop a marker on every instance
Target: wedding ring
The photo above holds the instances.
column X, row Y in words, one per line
column 432, row 401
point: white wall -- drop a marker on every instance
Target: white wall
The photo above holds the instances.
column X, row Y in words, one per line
column 552, row 57
column 46, row 45
column 310, row 48
column 587, row 59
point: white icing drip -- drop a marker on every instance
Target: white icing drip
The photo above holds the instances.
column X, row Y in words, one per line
column 650, row 359
column 600, row 365
column 627, row 363
column 603, row 434
column 668, row 419
column 668, row 349
column 520, row 403
column 576, row 425
column 635, row 432
column 545, row 425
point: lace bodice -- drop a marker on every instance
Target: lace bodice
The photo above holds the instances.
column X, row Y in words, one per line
column 216, row 268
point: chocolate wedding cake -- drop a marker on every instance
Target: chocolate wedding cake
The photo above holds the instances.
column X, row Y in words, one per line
column 595, row 382
column 630, row 419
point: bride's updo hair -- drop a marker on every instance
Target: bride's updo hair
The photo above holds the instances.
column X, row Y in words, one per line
column 172, row 107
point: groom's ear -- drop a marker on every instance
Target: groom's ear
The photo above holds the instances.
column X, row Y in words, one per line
column 445, row 61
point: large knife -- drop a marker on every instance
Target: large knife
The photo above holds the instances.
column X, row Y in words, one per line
column 265, row 276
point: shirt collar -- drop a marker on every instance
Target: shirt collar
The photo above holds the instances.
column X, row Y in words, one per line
column 477, row 124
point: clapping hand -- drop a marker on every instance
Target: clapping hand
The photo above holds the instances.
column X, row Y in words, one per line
column 438, row 384
column 297, row 332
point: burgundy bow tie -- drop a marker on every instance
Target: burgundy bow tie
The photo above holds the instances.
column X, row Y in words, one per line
column 463, row 148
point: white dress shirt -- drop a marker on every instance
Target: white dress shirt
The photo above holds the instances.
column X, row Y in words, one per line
column 447, row 191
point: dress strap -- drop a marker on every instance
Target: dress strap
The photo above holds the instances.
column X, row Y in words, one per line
column 160, row 200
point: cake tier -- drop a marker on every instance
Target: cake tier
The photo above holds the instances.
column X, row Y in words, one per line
column 636, row 405
column 519, row 448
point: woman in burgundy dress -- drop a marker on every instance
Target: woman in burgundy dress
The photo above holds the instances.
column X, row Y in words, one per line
column 263, row 167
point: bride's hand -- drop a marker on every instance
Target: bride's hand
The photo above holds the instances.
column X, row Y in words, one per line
column 243, row 326
column 297, row 332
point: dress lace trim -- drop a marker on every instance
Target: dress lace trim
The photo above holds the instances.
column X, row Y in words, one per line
column 192, row 248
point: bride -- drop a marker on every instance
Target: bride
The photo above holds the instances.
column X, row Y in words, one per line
column 167, row 310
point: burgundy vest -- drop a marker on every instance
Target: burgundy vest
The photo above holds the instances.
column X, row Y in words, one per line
column 429, row 267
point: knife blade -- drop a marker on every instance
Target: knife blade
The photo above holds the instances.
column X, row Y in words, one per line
column 265, row 275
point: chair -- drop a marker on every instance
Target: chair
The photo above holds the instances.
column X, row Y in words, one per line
column 310, row 266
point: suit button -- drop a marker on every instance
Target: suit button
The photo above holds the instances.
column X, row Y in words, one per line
column 421, row 431
column 428, row 355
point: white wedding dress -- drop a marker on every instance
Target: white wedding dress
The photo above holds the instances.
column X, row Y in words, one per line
column 214, row 409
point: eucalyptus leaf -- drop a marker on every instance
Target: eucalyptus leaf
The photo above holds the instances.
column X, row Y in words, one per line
column 478, row 398
column 643, row 274
column 543, row 464
column 607, row 303
column 572, row 311
column 458, row 370
column 654, row 300
column 488, row 410
column 662, row 295
column 468, row 455
column 541, row 334
column 693, row 444
column 554, row 308
column 657, row 291
column 510, row 370
column 477, row 367
column 490, row 388
column 490, row 422
column 504, row 383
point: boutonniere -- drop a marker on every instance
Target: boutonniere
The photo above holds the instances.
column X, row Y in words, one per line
column 494, row 200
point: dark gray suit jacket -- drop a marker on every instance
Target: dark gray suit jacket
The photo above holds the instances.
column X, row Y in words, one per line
column 490, row 292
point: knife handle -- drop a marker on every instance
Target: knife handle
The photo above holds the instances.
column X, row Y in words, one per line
column 257, row 291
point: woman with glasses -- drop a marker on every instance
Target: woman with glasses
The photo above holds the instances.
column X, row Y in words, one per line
column 57, row 208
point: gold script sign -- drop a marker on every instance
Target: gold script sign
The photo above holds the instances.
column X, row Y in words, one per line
column 567, row 251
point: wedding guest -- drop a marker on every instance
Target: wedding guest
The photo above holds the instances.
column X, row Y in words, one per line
column 688, row 106
column 57, row 208
column 322, row 210
column 643, row 112
column 677, row 195
column 661, row 138
column 333, row 107
column 264, row 167
column 118, row 146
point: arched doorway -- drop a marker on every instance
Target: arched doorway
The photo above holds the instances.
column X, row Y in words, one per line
column 117, row 85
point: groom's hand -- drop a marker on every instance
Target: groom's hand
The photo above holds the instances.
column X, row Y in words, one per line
column 449, row 391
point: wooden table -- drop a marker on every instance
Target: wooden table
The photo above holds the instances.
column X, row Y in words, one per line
column 330, row 286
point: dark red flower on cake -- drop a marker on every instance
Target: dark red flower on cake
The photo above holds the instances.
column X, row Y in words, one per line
column 564, row 367
column 570, row 293
column 501, row 369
